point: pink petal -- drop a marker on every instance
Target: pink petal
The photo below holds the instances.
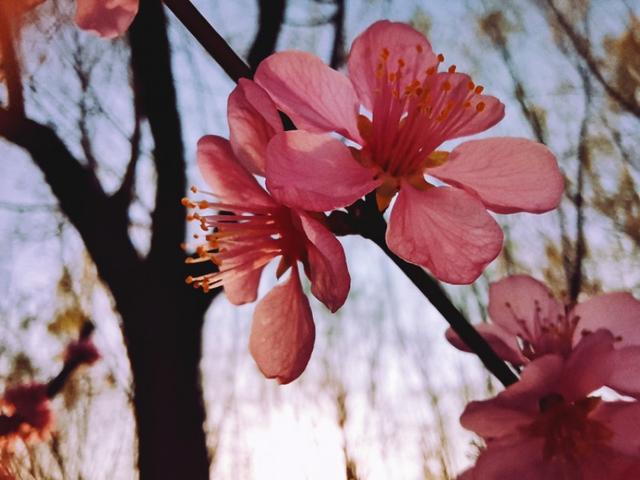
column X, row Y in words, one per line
column 402, row 42
column 229, row 180
column 283, row 332
column 315, row 172
column 589, row 366
column 618, row 312
column 253, row 120
column 444, row 230
column 502, row 342
column 507, row 174
column 325, row 265
column 625, row 375
column 490, row 420
column 316, row 97
column 107, row 19
column 623, row 420
column 518, row 458
column 243, row 289
column 517, row 302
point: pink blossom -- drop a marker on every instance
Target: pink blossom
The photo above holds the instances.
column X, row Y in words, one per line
column 106, row 18
column 257, row 230
column 26, row 412
column 81, row 352
column 529, row 322
column 547, row 426
column 398, row 108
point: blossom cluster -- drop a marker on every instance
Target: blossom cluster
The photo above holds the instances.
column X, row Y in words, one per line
column 554, row 420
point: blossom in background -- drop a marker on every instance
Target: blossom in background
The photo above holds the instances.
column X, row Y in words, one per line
column 398, row 108
column 529, row 322
column 546, row 426
column 258, row 229
column 81, row 352
column 25, row 412
column 106, row 18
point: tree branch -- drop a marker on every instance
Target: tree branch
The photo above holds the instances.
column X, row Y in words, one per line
column 581, row 46
column 211, row 40
column 270, row 23
column 337, row 51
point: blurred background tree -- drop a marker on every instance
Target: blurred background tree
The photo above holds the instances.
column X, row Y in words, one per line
column 91, row 225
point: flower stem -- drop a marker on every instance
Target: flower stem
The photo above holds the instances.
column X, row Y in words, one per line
column 364, row 217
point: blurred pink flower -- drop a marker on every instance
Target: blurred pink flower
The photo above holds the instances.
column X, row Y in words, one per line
column 258, row 230
column 26, row 412
column 411, row 109
column 106, row 18
column 528, row 322
column 81, row 352
column 546, row 426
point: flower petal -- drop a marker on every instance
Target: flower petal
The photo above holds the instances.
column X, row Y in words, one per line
column 253, row 120
column 243, row 289
column 491, row 420
column 326, row 265
column 229, row 180
column 502, row 342
column 108, row 19
column 283, row 332
column 618, row 312
column 444, row 230
column 519, row 458
column 507, row 174
column 589, row 366
column 402, row 42
column 315, row 172
column 316, row 97
column 517, row 302
column 623, row 420
column 625, row 375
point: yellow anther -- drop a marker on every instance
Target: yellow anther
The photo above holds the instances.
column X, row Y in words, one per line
column 189, row 280
column 479, row 89
column 436, row 158
column 419, row 48
column 187, row 203
column 480, row 107
column 452, row 69
column 440, row 57
column 401, row 63
column 471, row 85
column 467, row 104
column 202, row 204
column 431, row 70
column 194, row 189
column 384, row 54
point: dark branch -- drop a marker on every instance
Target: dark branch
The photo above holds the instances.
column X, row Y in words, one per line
column 337, row 51
column 211, row 40
column 271, row 17
column 369, row 223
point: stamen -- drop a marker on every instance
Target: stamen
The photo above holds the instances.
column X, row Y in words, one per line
column 452, row 69
column 480, row 107
column 419, row 48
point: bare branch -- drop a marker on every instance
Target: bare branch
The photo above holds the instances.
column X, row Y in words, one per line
column 270, row 23
column 337, row 51
column 581, row 46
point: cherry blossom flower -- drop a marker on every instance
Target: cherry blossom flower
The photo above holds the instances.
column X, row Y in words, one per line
column 547, row 426
column 398, row 108
column 81, row 352
column 25, row 412
column 528, row 322
column 257, row 230
column 106, row 18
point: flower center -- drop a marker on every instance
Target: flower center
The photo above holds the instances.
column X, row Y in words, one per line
column 414, row 112
column 568, row 432
column 240, row 241
column 545, row 334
